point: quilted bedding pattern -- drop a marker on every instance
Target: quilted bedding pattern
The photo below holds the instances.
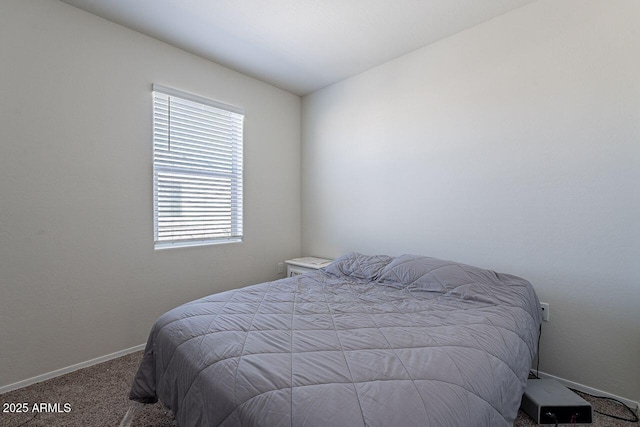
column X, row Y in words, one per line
column 374, row 341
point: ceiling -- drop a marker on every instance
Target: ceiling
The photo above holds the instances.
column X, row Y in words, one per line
column 299, row 45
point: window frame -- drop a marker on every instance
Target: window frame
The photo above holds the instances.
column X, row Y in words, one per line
column 235, row 176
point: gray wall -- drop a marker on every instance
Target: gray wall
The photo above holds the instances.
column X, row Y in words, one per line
column 78, row 274
column 514, row 145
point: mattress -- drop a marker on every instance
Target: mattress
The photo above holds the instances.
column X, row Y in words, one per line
column 368, row 340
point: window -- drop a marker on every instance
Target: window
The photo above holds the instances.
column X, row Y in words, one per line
column 197, row 170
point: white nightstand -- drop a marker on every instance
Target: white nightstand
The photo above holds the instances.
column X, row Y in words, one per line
column 297, row 266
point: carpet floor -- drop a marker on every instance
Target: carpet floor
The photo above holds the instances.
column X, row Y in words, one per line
column 97, row 396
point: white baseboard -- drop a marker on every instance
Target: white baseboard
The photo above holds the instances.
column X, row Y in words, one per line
column 594, row 391
column 68, row 369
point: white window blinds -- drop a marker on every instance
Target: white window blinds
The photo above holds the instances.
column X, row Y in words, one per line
column 197, row 170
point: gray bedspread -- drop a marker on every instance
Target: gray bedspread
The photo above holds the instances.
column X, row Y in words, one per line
column 369, row 340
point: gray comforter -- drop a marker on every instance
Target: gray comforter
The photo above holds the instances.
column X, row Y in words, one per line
column 369, row 340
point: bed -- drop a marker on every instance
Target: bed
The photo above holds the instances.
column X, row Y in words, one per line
column 368, row 340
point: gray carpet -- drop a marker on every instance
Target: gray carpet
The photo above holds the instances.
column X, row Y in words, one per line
column 98, row 397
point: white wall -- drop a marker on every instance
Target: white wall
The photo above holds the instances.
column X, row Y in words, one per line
column 515, row 146
column 78, row 274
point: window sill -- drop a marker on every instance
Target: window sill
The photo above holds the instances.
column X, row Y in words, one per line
column 170, row 245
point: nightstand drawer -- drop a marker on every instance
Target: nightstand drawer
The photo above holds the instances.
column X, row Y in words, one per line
column 297, row 266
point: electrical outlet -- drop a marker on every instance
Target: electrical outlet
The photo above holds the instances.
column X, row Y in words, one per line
column 280, row 267
column 544, row 306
